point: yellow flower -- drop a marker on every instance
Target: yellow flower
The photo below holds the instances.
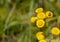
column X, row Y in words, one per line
column 41, row 15
column 55, row 31
column 39, row 36
column 33, row 19
column 40, row 23
column 49, row 14
column 43, row 40
column 39, row 33
column 38, row 10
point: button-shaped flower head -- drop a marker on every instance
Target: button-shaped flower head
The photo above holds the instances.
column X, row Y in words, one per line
column 49, row 14
column 41, row 15
column 40, row 23
column 38, row 10
column 39, row 35
column 43, row 40
column 55, row 31
column 33, row 19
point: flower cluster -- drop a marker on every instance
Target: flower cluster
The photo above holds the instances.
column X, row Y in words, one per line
column 41, row 16
column 39, row 19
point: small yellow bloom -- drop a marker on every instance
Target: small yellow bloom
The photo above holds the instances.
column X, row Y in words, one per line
column 49, row 14
column 39, row 36
column 38, row 10
column 33, row 19
column 39, row 33
column 40, row 23
column 41, row 15
column 55, row 31
column 43, row 40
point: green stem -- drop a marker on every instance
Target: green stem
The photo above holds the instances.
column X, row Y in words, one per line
column 30, row 14
column 10, row 14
